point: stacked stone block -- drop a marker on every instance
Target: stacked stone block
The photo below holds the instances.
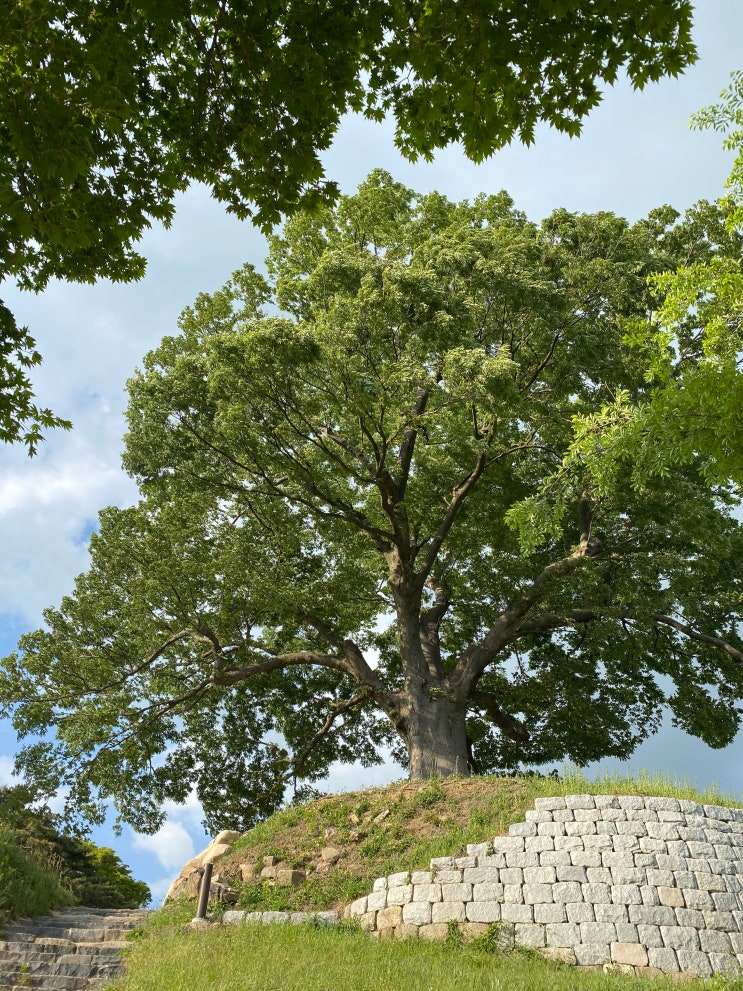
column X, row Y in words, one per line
column 267, row 918
column 75, row 949
column 651, row 885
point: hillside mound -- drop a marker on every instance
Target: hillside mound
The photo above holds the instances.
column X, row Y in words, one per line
column 324, row 854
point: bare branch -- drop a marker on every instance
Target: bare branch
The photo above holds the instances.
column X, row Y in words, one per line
column 340, row 510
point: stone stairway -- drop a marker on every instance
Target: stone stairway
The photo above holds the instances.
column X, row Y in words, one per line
column 74, row 949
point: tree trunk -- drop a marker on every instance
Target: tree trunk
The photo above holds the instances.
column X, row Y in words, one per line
column 437, row 737
column 431, row 720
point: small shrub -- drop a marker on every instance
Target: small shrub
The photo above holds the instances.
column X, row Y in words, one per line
column 499, row 938
column 431, row 794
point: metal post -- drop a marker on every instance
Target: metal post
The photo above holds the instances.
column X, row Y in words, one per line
column 206, row 883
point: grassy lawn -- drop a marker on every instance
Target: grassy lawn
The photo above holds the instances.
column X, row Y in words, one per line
column 303, row 958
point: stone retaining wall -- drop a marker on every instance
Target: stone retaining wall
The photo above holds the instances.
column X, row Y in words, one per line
column 651, row 885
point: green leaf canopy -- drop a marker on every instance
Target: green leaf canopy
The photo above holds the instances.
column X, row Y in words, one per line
column 339, row 545
column 693, row 344
column 107, row 109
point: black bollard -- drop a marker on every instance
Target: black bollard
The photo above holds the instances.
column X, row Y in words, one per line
column 206, row 883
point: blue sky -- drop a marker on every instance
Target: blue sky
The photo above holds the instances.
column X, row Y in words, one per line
column 636, row 153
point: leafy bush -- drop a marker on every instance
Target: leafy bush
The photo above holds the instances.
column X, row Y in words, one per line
column 112, row 884
column 77, row 870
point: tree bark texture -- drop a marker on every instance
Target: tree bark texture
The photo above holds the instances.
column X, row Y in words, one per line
column 437, row 736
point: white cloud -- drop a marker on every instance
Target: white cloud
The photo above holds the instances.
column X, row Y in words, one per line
column 46, row 513
column 171, row 844
column 189, row 814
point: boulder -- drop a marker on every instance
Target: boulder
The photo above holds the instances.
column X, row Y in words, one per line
column 188, row 881
column 288, row 878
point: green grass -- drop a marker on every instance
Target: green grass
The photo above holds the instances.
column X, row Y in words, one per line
column 315, row 892
column 303, row 958
column 573, row 781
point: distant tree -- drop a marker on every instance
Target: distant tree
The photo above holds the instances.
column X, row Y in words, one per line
column 335, row 465
column 107, row 110
column 108, row 882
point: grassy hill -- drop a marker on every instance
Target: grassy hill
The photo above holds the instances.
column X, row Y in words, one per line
column 382, row 830
column 374, row 832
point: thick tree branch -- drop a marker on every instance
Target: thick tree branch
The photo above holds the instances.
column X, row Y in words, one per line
column 591, row 546
column 693, row 634
column 349, row 449
column 513, row 728
column 475, row 658
column 546, row 622
column 502, row 633
column 351, row 662
column 231, row 676
column 460, row 493
column 429, row 628
column 405, row 457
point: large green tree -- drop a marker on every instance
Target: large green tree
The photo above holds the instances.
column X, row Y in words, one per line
column 334, row 464
column 107, row 109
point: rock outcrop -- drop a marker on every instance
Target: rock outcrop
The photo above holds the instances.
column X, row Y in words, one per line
column 188, row 881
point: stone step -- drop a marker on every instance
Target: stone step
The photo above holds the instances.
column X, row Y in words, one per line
column 32, row 951
column 63, row 930
column 68, row 950
column 50, row 982
column 70, row 963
